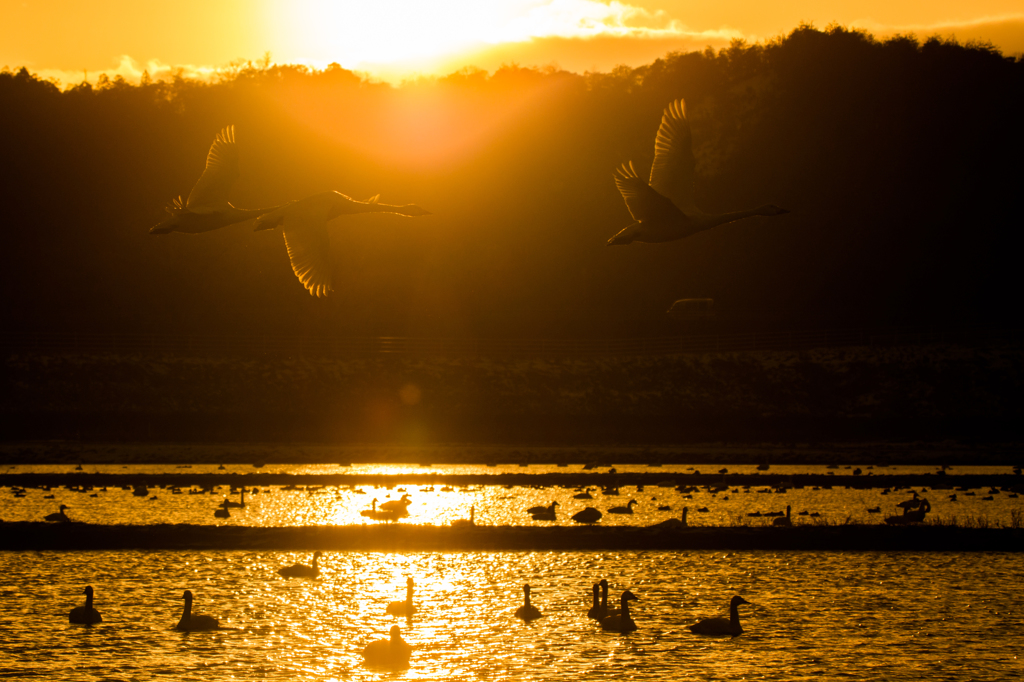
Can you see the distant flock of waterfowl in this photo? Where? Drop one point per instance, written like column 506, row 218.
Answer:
column 663, row 207
column 913, row 510
column 395, row 651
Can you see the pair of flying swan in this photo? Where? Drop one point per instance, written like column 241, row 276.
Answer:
column 663, row 208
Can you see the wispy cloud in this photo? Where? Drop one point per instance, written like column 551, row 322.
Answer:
column 1004, row 31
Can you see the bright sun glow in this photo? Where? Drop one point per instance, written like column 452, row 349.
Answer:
column 388, row 31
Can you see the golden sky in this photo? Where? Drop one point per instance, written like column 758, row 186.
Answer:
column 392, row 39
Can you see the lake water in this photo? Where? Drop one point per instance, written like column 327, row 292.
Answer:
column 500, row 505
column 864, row 616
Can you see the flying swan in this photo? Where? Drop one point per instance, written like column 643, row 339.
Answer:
column 304, row 224
column 664, row 209
column 207, row 207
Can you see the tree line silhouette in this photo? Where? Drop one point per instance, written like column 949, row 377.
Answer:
column 900, row 160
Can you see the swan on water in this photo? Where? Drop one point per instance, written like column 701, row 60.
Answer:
column 222, row 512
column 540, row 509
column 394, row 651
column 85, row 615
column 621, row 621
column 722, row 626
column 910, row 516
column 304, row 224
column 382, row 514
column 397, row 505
column 403, row 608
column 783, row 520
column 588, row 515
column 465, row 523
column 664, row 209
column 301, row 570
column 59, row 515
column 527, row 611
column 628, row 509
column 237, row 505
column 669, row 524
column 193, row 622
column 597, row 612
column 207, row 207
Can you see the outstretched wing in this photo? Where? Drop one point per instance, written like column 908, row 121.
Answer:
column 211, row 191
column 672, row 170
column 643, row 202
column 305, row 237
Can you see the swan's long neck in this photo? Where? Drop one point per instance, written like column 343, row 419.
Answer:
column 408, row 594
column 734, row 616
column 685, row 509
column 625, row 609
column 187, row 613
column 88, row 600
column 316, row 557
column 604, row 595
column 723, row 218
column 527, row 593
column 597, row 596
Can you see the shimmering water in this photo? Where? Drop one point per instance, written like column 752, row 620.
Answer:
column 500, row 505
column 871, row 616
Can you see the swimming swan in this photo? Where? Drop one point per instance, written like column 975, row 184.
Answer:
column 621, row 621
column 722, row 626
column 664, row 209
column 465, row 523
column 596, row 611
column 397, row 505
column 403, row 608
column 304, row 224
column 915, row 516
column 528, row 611
column 236, row 505
column 301, row 570
column 193, row 623
column 207, row 207
column 58, row 515
column 783, row 520
column 394, row 651
column 588, row 515
column 628, row 509
column 222, row 512
column 85, row 615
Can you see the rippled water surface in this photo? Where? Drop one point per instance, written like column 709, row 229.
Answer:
column 501, row 505
column 878, row 616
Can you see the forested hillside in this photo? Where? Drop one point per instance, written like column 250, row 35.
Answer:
column 899, row 160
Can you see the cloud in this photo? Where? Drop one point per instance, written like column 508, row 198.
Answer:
column 131, row 71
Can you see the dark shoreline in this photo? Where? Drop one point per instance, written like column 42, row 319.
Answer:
column 37, row 536
column 568, row 479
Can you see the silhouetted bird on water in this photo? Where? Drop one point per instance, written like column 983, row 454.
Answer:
column 58, row 515
column 192, row 622
column 722, row 626
column 207, row 207
column 403, row 608
column 388, row 652
column 304, row 224
column 664, row 209
column 527, row 611
column 784, row 520
column 85, row 615
column 621, row 621
column 302, row 570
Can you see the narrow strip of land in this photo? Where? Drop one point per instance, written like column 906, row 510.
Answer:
column 33, row 536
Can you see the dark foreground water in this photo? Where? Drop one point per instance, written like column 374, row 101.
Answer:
column 871, row 616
